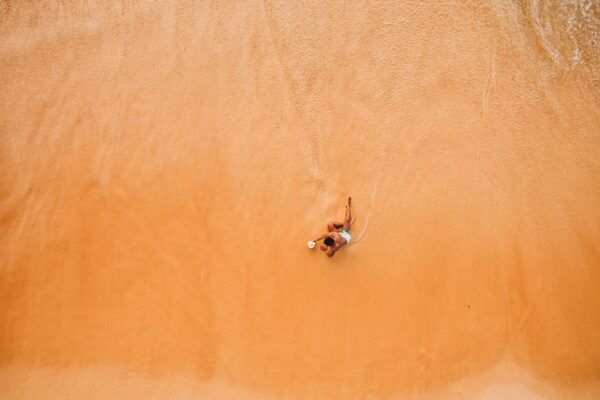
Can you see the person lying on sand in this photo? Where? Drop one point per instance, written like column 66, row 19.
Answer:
column 339, row 233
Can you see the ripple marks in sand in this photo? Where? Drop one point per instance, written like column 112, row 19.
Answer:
column 296, row 96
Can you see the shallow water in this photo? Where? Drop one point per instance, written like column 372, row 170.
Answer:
column 165, row 164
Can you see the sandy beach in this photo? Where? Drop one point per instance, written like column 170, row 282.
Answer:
column 165, row 162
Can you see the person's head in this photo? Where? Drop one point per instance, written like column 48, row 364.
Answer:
column 329, row 241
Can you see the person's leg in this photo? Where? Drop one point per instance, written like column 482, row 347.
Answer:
column 334, row 226
column 348, row 219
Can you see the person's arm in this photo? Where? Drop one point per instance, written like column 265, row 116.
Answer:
column 331, row 251
column 321, row 237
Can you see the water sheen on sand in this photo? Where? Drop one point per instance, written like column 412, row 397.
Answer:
column 165, row 162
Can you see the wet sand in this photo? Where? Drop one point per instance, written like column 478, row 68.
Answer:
column 164, row 164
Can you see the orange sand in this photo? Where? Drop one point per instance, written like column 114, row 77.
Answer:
column 164, row 163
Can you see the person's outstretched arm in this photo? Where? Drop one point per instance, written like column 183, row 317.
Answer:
column 321, row 237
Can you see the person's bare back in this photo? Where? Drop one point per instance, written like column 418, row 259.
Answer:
column 339, row 233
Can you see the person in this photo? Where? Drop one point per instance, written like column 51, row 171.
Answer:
column 338, row 235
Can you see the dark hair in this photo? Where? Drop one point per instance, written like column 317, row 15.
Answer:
column 329, row 241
